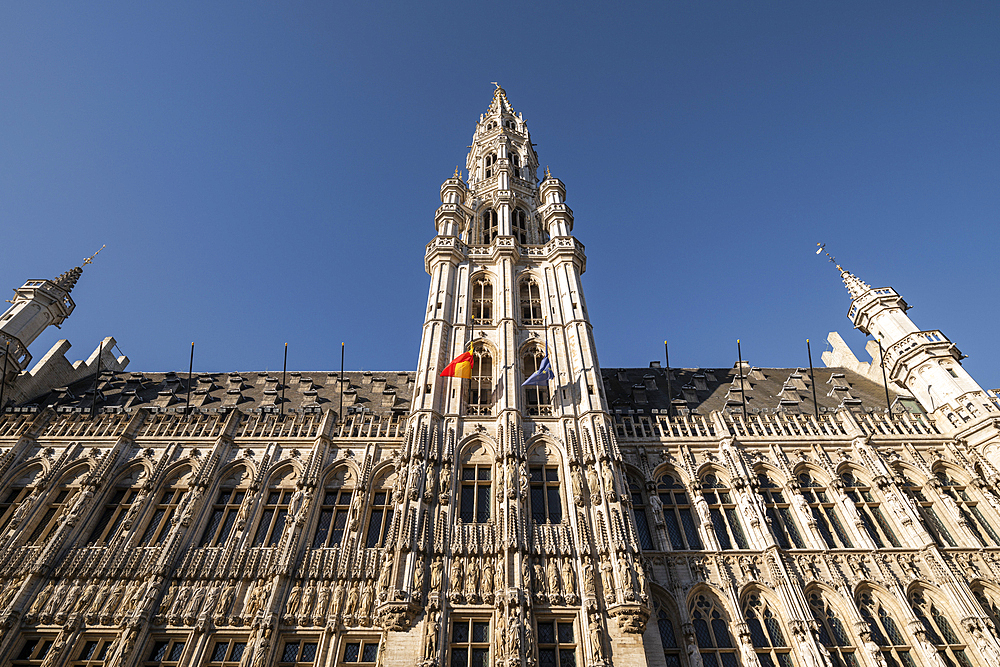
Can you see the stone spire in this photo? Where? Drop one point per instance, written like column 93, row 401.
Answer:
column 855, row 286
column 67, row 281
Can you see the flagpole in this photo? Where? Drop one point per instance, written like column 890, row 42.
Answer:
column 97, row 379
column 284, row 369
column 812, row 378
column 187, row 406
column 885, row 382
column 340, row 381
column 670, row 393
column 743, row 395
column 3, row 379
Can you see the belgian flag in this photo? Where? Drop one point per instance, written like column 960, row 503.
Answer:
column 460, row 366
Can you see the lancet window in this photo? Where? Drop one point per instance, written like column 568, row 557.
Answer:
column 223, row 517
column 158, row 526
column 17, row 494
column 668, row 637
column 987, row 599
column 281, row 495
column 519, row 225
column 482, row 301
column 531, row 302
column 930, row 517
column 380, row 514
column 63, row 497
column 765, row 633
column 334, row 512
column 938, row 630
column 488, row 165
column 536, row 396
column 968, row 509
column 722, row 509
column 885, row 631
column 515, row 163
column 546, row 504
column 824, row 511
column 489, row 226
column 481, row 383
column 639, row 515
column 870, row 511
column 712, row 633
column 116, row 508
column 677, row 514
column 779, row 514
column 832, row 632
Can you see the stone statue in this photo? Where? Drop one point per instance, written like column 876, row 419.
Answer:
column 594, row 484
column 307, row 599
column 292, row 605
column 539, row 579
column 553, row 576
column 386, row 576
column 432, row 632
column 322, row 602
column 596, row 639
column 568, row 577
column 471, row 581
column 367, row 593
column 42, row 598
column 338, row 599
column 418, row 576
column 352, row 603
column 577, row 479
column 437, row 569
column 656, row 505
column 589, row 585
column 609, row 482
column 456, row 575
column 445, row 477
column 701, row 507
column 488, row 578
column 167, row 600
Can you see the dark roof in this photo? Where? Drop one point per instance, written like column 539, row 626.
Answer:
column 704, row 390
column 382, row 392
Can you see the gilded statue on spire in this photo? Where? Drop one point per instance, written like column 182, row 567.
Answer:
column 90, row 260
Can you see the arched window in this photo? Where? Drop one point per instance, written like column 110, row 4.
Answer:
column 639, row 515
column 712, row 633
column 380, row 511
column 725, row 518
column 16, row 494
column 488, row 164
column 536, row 396
column 62, row 497
column 167, row 502
column 779, row 514
column 116, row 507
column 515, row 162
column 939, row 630
column 765, row 633
column 276, row 509
column 531, row 302
column 477, row 484
column 832, row 632
column 546, row 503
column 869, row 510
column 930, row 517
column 225, row 510
column 335, row 510
column 677, row 514
column 825, row 512
column 481, row 383
column 519, row 225
column 885, row 632
column 987, row 599
column 668, row 638
column 482, row 301
column 968, row 509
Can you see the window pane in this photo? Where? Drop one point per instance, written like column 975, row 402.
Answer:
column 480, row 632
column 565, row 633
column 177, row 651
column 374, row 528
column 219, row 652
column 262, row 528
column 459, row 657
column 238, row 648
column 460, row 633
column 159, row 650
column 480, row 657
column 483, row 506
column 308, row 652
column 291, row 652
column 555, row 508
column 351, row 652
column 370, row 653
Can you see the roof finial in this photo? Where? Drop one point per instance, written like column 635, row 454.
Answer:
column 547, row 174
column 833, row 260
column 457, row 175
column 90, row 260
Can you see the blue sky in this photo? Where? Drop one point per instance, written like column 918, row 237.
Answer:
column 268, row 172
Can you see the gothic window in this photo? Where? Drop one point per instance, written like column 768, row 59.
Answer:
column 515, row 161
column 930, row 517
column 33, row 651
column 825, row 512
column 476, row 486
column 470, row 643
column 274, row 517
column 536, row 396
column 116, row 507
column 227, row 652
column 488, row 165
column 870, row 512
column 885, row 632
column 531, row 302
column 481, row 383
column 725, row 518
column 482, row 301
column 223, row 517
column 779, row 514
column 939, row 630
column 556, row 643
column 165, row 651
column 159, row 524
column 16, row 494
column 380, row 515
column 968, row 508
column 519, row 224
column 297, row 651
column 546, row 506
column 987, row 600
column 677, row 514
column 668, row 638
column 359, row 652
column 62, row 499
column 91, row 651
column 334, row 512
column 833, row 633
column 490, row 226
column 639, row 515
column 712, row 633
column 765, row 633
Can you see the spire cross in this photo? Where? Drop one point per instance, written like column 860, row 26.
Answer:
column 90, row 260
column 833, row 260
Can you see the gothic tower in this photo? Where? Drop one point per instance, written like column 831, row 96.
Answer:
column 485, row 456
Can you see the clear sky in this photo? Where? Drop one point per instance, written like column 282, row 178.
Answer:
column 264, row 172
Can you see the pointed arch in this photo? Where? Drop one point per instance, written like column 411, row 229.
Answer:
column 913, row 487
column 866, row 499
column 823, row 508
column 712, row 623
column 481, row 384
column 667, row 624
column 833, row 628
column 958, row 486
column 722, row 510
column 529, row 291
column 61, row 496
column 677, row 511
column 545, row 475
column 883, row 628
column 24, row 482
column 538, row 400
column 118, row 500
column 476, row 475
column 519, row 221
column 380, row 506
column 988, row 597
column 281, row 499
column 337, row 500
column 778, row 509
column 168, row 498
column 768, row 633
column 940, row 630
column 230, row 494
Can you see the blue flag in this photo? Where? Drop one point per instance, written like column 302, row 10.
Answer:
column 542, row 376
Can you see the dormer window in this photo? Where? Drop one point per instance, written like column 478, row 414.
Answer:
column 519, row 223
column 489, row 162
column 515, row 161
column 489, row 231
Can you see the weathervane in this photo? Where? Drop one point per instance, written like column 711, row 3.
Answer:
column 833, row 260
column 90, row 260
